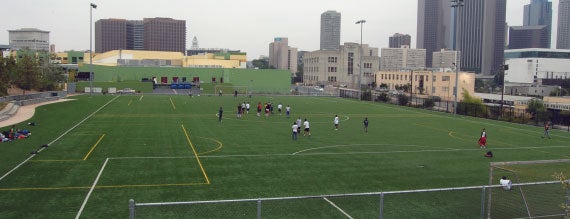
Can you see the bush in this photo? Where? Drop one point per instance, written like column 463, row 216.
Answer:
column 383, row 97
column 429, row 103
column 403, row 99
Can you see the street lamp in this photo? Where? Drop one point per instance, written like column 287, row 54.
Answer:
column 361, row 22
column 456, row 4
column 91, row 7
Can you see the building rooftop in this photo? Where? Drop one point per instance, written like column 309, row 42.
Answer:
column 28, row 30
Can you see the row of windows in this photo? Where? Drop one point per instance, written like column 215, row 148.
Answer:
column 443, row 89
column 331, row 79
column 416, row 78
column 311, row 77
column 331, row 69
column 333, row 59
column 312, row 60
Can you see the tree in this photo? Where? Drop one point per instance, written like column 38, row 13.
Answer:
column 537, row 109
column 28, row 73
column 566, row 186
column 50, row 77
column 4, row 77
column 261, row 63
column 403, row 99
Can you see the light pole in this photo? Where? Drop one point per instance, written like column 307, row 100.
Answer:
column 361, row 22
column 91, row 7
column 456, row 4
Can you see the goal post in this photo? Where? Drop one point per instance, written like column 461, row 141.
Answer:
column 231, row 89
column 525, row 201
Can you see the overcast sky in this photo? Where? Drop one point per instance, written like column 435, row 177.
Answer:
column 246, row 25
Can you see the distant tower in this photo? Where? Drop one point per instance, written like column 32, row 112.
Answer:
column 539, row 12
column 398, row 40
column 330, row 30
column 563, row 39
column 195, row 43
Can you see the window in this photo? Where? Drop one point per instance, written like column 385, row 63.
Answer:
column 434, row 78
column 445, row 78
column 444, row 89
column 350, row 63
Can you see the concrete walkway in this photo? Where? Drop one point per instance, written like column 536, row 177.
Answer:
column 26, row 112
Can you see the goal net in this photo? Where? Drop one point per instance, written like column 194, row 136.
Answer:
column 540, row 200
column 231, row 89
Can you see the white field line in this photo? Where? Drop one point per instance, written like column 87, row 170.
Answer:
column 65, row 133
column 140, row 99
column 338, row 208
column 91, row 190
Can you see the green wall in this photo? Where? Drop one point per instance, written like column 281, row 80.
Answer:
column 262, row 80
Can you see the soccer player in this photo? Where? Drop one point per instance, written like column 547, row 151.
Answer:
column 247, row 108
column 336, row 121
column 288, row 111
column 279, row 108
column 239, row 109
column 235, row 94
column 307, row 130
column 220, row 114
column 483, row 139
column 299, row 121
column 365, row 124
column 295, row 128
column 220, row 94
column 258, row 108
column 546, row 132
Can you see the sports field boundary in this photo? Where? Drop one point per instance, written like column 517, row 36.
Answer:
column 55, row 140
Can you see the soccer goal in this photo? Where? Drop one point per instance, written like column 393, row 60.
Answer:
column 231, row 89
column 540, row 200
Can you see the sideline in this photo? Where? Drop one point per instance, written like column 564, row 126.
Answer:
column 27, row 112
column 65, row 133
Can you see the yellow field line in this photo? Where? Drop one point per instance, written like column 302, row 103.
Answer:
column 93, row 148
column 196, row 154
column 101, row 187
column 131, row 101
column 220, row 145
column 173, row 107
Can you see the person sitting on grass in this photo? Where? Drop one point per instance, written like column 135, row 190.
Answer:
column 489, row 154
column 505, row 183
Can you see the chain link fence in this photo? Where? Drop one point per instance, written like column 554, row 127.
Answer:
column 524, row 200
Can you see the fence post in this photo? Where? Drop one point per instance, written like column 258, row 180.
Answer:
column 132, row 213
column 259, row 208
column 483, row 203
column 381, row 213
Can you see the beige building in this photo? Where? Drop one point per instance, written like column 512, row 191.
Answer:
column 160, row 58
column 282, row 56
column 395, row 59
column 446, row 59
column 331, row 67
column 430, row 83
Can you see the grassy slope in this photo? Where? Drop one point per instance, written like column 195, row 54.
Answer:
column 251, row 157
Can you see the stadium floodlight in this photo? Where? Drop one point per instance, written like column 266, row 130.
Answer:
column 91, row 7
column 361, row 22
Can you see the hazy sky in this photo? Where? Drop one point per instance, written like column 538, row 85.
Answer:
column 247, row 25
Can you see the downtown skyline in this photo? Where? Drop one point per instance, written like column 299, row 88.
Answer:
column 243, row 25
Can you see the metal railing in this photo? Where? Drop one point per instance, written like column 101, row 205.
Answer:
column 523, row 200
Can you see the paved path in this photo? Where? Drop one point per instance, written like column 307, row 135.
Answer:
column 25, row 113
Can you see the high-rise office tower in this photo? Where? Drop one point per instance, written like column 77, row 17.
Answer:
column 135, row 35
column 539, row 12
column 398, row 40
column 481, row 32
column 563, row 36
column 164, row 34
column 521, row 37
column 434, row 27
column 482, row 35
column 330, row 30
column 110, row 34
column 282, row 56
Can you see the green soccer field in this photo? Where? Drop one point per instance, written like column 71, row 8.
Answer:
column 105, row 150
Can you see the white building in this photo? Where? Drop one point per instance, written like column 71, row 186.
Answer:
column 29, row 39
column 282, row 56
column 342, row 67
column 394, row 59
column 446, row 59
column 528, row 66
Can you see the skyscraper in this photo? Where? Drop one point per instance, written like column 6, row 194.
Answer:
column 330, row 30
column 539, row 12
column 563, row 36
column 398, row 40
column 481, row 32
column 282, row 56
column 110, row 34
column 164, row 34
column 434, row 27
column 482, row 35
column 521, row 37
column 135, row 35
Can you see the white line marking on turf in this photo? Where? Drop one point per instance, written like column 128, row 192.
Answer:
column 140, row 99
column 338, row 208
column 65, row 133
column 91, row 190
column 351, row 145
